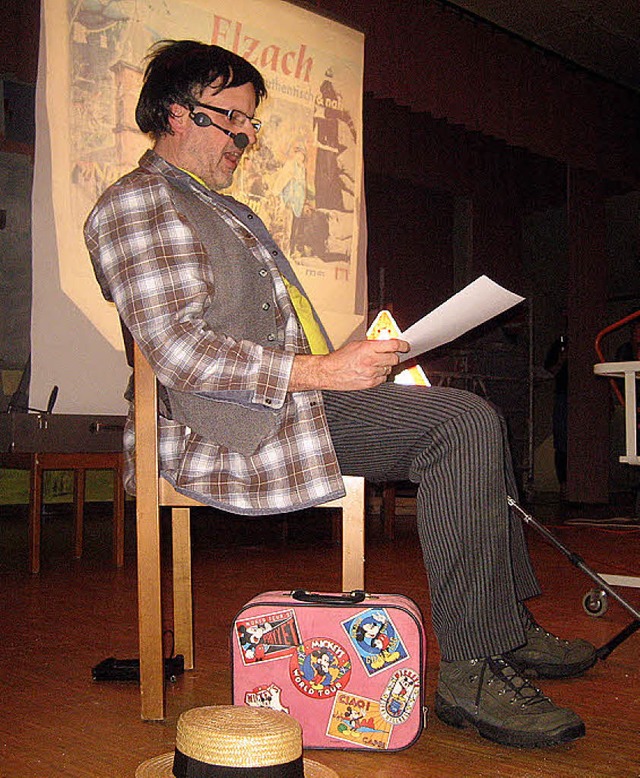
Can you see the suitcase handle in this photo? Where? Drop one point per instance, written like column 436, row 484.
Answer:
column 347, row 598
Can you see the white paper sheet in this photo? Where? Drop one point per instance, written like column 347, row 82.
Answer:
column 478, row 302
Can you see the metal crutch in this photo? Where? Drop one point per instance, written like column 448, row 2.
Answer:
column 604, row 651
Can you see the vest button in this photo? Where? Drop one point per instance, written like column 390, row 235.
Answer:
column 266, row 306
column 263, row 272
column 271, row 337
column 275, row 252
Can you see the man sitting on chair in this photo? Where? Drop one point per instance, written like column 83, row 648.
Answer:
column 262, row 416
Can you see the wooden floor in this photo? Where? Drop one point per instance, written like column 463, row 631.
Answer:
column 55, row 721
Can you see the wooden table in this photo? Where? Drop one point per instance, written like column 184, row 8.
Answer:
column 38, row 462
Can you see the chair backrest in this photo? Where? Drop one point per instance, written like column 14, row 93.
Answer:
column 152, row 491
column 146, row 424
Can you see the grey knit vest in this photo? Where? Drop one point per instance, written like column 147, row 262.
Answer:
column 242, row 308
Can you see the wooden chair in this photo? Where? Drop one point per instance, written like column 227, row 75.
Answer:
column 154, row 492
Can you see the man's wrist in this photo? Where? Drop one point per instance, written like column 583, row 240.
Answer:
column 306, row 373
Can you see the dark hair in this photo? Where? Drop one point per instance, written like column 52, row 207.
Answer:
column 179, row 71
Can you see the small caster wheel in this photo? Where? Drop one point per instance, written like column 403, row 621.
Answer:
column 595, row 602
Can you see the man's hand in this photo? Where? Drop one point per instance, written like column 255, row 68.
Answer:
column 361, row 364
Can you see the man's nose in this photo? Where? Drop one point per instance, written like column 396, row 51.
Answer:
column 251, row 133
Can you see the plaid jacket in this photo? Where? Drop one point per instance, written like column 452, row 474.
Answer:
column 161, row 269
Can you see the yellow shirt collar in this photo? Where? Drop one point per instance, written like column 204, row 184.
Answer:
column 194, row 176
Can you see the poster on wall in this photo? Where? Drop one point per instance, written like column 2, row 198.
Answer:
column 304, row 177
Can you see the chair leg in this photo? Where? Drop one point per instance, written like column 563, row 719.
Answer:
column 118, row 517
column 353, row 535
column 389, row 510
column 150, row 609
column 182, row 598
column 35, row 514
column 336, row 529
column 79, row 482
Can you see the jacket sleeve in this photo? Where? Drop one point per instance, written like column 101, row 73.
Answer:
column 149, row 262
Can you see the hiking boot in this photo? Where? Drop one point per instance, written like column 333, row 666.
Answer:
column 546, row 656
column 502, row 705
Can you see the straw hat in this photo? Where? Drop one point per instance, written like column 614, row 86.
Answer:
column 211, row 740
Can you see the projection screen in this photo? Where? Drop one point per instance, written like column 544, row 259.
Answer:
column 304, row 178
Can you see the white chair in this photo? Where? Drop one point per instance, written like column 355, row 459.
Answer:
column 629, row 372
column 154, row 492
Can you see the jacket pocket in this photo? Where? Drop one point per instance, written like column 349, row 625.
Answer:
column 234, row 425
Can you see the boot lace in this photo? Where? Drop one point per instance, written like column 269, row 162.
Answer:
column 522, row 691
column 531, row 626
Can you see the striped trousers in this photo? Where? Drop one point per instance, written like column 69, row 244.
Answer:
column 453, row 444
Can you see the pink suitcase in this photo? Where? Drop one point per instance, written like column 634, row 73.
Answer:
column 349, row 667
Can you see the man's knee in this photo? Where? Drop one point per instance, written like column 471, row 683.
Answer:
column 483, row 412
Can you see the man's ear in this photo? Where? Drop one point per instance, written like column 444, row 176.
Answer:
column 178, row 117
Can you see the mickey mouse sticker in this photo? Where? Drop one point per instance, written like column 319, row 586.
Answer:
column 376, row 640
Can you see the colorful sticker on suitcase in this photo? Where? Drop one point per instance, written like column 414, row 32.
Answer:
column 358, row 720
column 265, row 696
column 270, row 636
column 375, row 640
column 320, row 668
column 400, row 696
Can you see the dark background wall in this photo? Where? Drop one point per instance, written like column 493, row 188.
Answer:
column 482, row 155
